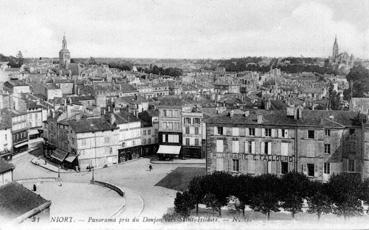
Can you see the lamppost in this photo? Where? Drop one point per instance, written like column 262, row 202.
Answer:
column 59, row 171
column 93, row 174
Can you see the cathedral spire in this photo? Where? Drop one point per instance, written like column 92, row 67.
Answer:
column 335, row 48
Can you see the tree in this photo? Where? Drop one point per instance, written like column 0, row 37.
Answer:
column 334, row 98
column 183, row 203
column 92, row 61
column 266, row 200
column 345, row 191
column 359, row 76
column 244, row 190
column 210, row 200
column 219, row 184
column 195, row 188
column 19, row 58
column 318, row 200
column 294, row 189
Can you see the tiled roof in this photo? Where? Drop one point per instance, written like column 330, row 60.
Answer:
column 125, row 117
column 279, row 117
column 15, row 200
column 5, row 166
column 85, row 125
column 173, row 101
column 131, row 99
column 13, row 83
column 81, row 98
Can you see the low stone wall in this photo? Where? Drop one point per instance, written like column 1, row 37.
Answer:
column 111, row 186
column 40, row 179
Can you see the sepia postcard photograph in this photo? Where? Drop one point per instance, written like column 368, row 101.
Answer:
column 184, row 114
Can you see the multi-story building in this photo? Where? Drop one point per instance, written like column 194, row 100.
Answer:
column 15, row 88
column 93, row 142
column 170, row 127
column 6, row 142
column 192, row 130
column 129, row 138
column 149, row 132
column 153, row 90
column 6, row 172
column 316, row 143
column 20, row 127
column 36, row 115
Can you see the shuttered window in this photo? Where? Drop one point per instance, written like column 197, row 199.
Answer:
column 219, row 166
column 235, row 147
column 220, row 147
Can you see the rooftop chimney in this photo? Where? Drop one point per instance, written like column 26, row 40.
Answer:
column 260, row 118
column 112, row 118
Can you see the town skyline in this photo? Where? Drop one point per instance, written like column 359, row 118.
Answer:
column 214, row 30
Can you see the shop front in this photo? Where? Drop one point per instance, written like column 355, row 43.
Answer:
column 127, row 154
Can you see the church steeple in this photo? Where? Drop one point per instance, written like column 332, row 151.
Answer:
column 64, row 55
column 335, row 48
column 64, row 42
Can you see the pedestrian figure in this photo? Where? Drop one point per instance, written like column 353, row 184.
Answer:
column 34, row 188
column 150, row 167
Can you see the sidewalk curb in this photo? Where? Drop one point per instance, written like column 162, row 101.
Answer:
column 115, row 188
column 86, row 171
column 173, row 163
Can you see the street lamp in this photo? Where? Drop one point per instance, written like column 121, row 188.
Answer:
column 59, row 171
column 93, row 174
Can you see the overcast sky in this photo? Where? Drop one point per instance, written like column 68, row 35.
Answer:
column 184, row 28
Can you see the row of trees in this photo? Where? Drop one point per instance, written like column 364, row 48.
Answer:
column 288, row 65
column 173, row 72
column 342, row 195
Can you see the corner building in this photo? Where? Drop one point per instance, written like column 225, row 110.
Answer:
column 316, row 143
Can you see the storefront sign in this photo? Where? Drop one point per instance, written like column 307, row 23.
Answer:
column 257, row 157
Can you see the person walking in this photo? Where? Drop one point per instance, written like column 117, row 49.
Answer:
column 150, row 167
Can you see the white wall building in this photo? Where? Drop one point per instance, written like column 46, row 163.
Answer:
column 94, row 141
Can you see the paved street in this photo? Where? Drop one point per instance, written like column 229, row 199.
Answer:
column 64, row 199
column 142, row 197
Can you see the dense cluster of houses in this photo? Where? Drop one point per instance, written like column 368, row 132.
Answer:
column 91, row 115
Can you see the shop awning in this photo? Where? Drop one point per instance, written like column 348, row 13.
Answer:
column 59, row 155
column 21, row 144
column 169, row 149
column 70, row 158
column 33, row 132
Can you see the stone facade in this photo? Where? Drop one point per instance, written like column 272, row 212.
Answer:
column 319, row 148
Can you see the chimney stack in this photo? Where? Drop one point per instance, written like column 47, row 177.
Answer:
column 112, row 118
column 260, row 118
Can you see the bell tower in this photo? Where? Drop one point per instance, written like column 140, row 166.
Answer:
column 64, row 55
